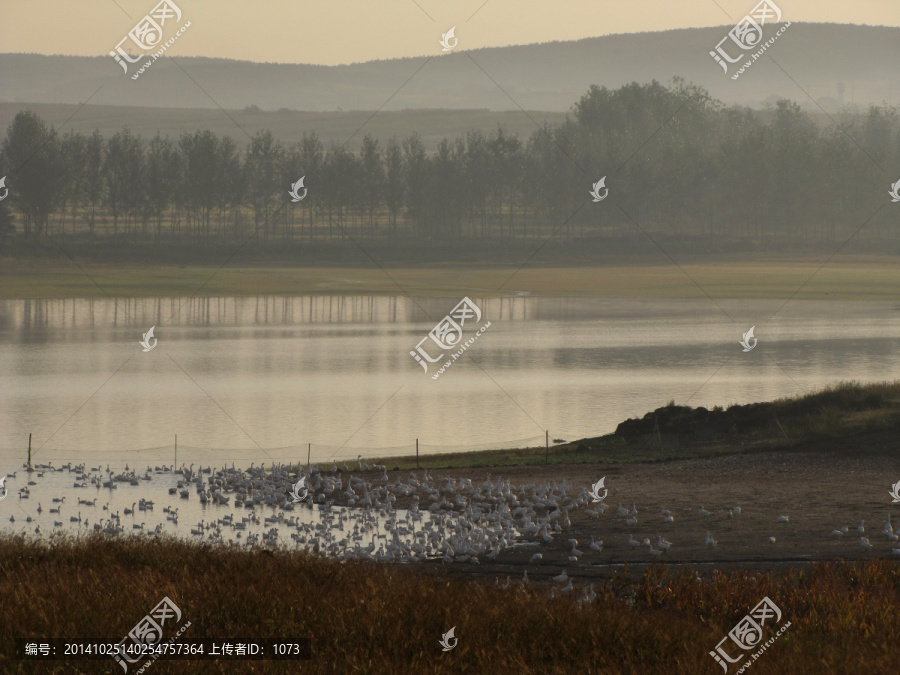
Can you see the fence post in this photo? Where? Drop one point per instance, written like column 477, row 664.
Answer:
column 417, row 454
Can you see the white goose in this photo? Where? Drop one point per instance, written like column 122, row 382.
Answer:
column 561, row 578
column 596, row 545
column 632, row 542
column 589, row 595
column 783, row 519
column 710, row 542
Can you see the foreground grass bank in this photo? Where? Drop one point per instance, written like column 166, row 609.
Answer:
column 858, row 278
column 389, row 619
column 841, row 416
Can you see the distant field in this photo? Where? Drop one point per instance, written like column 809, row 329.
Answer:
column 287, row 125
column 874, row 278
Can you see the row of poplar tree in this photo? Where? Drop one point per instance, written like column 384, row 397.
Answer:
column 676, row 162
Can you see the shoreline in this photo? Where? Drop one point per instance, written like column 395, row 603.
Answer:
column 856, row 278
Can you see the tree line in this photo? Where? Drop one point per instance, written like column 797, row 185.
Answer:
column 676, row 161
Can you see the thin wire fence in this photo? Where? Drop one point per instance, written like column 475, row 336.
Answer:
column 316, row 453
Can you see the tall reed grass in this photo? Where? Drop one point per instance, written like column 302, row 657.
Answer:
column 368, row 618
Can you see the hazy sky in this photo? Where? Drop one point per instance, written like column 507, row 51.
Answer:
column 347, row 31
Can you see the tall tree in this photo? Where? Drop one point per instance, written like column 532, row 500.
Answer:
column 123, row 168
column 394, row 184
column 93, row 177
column 36, row 170
column 372, row 187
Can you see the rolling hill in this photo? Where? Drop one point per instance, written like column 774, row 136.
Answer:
column 834, row 62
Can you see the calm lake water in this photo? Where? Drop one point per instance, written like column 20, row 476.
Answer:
column 250, row 379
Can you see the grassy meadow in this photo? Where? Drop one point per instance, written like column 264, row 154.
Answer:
column 847, row 278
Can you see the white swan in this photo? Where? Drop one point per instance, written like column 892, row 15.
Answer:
column 561, row 578
column 537, row 557
column 589, row 595
column 596, row 545
column 783, row 519
column 709, row 539
column 632, row 542
column 864, row 542
column 704, row 512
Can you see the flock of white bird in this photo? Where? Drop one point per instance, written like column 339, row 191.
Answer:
column 446, row 519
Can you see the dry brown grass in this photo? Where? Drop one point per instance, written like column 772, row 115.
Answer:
column 378, row 618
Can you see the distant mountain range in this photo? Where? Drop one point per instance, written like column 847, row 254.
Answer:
column 833, row 62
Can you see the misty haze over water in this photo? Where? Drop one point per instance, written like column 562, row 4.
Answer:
column 293, row 370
